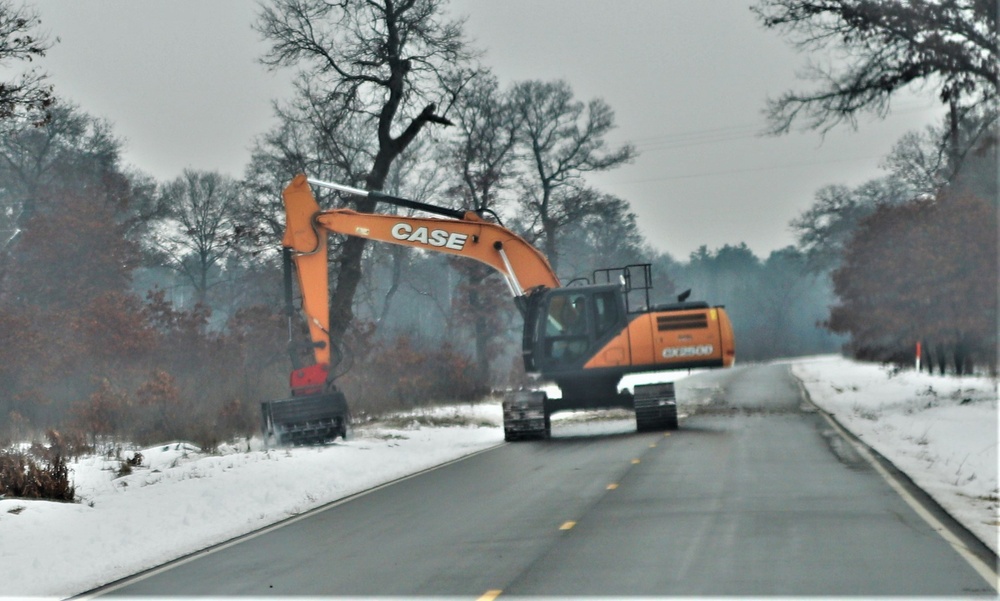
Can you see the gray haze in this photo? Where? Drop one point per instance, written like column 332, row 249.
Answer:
column 688, row 80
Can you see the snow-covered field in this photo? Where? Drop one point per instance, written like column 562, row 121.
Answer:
column 941, row 431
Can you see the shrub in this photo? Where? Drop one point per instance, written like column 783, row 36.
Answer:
column 405, row 372
column 40, row 473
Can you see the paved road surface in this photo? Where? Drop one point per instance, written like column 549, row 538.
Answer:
column 754, row 495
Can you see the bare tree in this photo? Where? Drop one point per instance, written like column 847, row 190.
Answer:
column 382, row 61
column 312, row 136
column 43, row 168
column 878, row 48
column 825, row 228
column 562, row 139
column 482, row 153
column 608, row 237
column 483, row 159
column 200, row 230
column 918, row 159
column 70, row 146
column 27, row 96
column 410, row 177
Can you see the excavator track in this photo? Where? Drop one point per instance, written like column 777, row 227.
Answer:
column 525, row 415
column 655, row 407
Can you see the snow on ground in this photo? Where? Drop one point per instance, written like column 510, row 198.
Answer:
column 181, row 500
column 940, row 431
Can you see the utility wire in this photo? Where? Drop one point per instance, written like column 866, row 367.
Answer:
column 751, row 170
column 698, row 137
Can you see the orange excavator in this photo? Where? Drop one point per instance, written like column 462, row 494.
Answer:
column 584, row 338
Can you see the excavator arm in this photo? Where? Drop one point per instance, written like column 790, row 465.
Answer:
column 464, row 234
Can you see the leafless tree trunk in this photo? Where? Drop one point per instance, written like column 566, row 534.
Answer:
column 203, row 206
column 379, row 60
column 483, row 157
column 562, row 139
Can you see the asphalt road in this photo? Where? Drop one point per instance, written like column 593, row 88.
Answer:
column 754, row 495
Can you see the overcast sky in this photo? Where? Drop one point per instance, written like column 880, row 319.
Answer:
column 688, row 79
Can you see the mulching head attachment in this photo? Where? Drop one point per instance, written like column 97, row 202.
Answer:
column 308, row 419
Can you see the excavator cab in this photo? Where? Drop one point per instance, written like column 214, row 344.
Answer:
column 573, row 323
column 586, row 338
column 568, row 330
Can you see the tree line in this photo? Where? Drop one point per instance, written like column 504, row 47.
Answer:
column 136, row 308
column 913, row 255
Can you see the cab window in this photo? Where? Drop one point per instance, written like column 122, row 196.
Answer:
column 606, row 312
column 567, row 315
column 566, row 330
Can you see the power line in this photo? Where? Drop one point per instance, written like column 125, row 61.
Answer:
column 751, row 170
column 674, row 145
column 695, row 133
column 698, row 137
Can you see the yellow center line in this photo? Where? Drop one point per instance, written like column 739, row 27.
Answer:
column 652, row 445
column 635, row 461
column 567, row 525
column 612, row 486
column 490, row 595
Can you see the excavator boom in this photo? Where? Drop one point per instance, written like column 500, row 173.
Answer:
column 466, row 234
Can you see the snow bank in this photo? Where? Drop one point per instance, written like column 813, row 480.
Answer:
column 940, row 431
column 181, row 500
